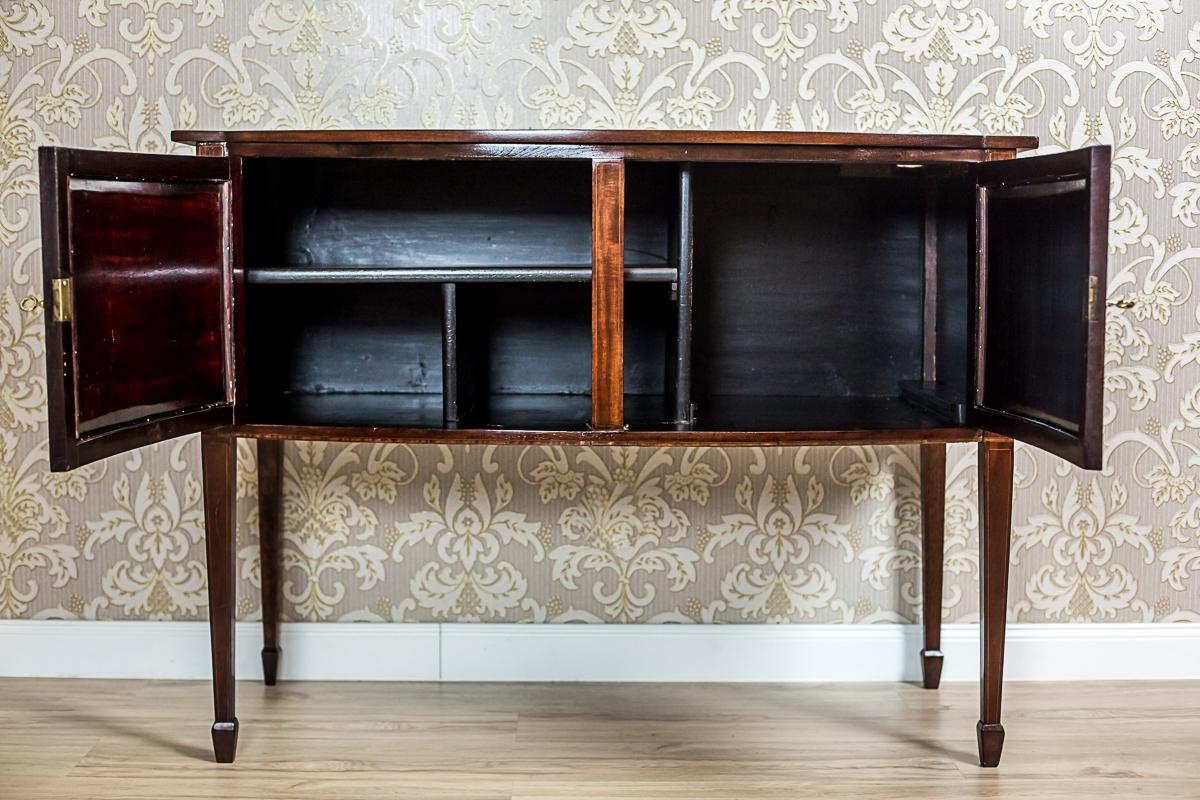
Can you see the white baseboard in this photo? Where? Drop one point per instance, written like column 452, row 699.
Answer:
column 180, row 650
column 501, row 652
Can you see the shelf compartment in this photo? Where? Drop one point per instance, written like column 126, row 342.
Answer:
column 417, row 214
column 328, row 341
column 501, row 214
column 637, row 273
column 522, row 356
column 797, row 304
column 424, row 355
column 658, row 316
column 808, row 281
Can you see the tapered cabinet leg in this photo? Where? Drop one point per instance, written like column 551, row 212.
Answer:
column 270, row 509
column 219, row 456
column 995, row 519
column 933, row 523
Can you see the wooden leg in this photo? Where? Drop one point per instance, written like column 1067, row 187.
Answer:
column 270, row 509
column 933, row 523
column 995, row 519
column 219, row 455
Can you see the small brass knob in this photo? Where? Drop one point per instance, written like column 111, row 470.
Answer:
column 31, row 304
column 1124, row 302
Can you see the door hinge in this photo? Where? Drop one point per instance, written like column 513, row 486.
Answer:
column 60, row 288
column 1093, row 284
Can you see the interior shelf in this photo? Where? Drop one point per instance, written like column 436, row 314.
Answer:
column 353, row 409
column 534, row 412
column 573, row 412
column 809, row 413
column 466, row 273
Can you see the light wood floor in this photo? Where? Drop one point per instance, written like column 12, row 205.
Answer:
column 137, row 739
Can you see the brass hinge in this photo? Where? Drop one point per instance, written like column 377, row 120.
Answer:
column 60, row 288
column 1093, row 284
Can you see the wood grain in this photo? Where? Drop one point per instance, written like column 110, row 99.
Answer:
column 933, row 528
column 454, row 151
column 1041, row 236
column 502, row 214
column 602, row 137
column 144, row 357
column 270, row 556
column 219, row 459
column 995, row 534
column 608, row 295
column 141, row 740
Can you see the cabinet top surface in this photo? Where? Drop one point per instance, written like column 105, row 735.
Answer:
column 612, row 137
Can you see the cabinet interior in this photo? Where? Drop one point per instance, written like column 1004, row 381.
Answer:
column 457, row 294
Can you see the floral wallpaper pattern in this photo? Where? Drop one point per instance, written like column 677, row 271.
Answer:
column 397, row 533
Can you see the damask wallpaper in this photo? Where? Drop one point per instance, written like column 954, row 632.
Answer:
column 393, row 533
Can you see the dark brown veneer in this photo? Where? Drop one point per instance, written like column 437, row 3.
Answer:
column 580, row 287
column 144, row 355
column 1042, row 239
column 614, row 137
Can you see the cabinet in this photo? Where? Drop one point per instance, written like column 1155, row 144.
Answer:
column 615, row 287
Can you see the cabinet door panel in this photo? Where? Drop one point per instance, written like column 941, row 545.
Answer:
column 1042, row 244
column 136, row 263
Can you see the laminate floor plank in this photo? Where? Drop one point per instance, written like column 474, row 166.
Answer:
column 148, row 740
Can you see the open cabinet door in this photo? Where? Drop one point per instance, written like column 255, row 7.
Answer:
column 1042, row 248
column 136, row 259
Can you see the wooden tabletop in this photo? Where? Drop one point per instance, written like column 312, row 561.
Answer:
column 614, row 137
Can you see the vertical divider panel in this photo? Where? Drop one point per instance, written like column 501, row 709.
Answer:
column 608, row 294
column 683, row 332
column 450, row 400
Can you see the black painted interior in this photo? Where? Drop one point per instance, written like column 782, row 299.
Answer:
column 1038, row 262
column 808, row 290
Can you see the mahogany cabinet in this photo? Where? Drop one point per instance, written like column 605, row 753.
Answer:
column 614, row 287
